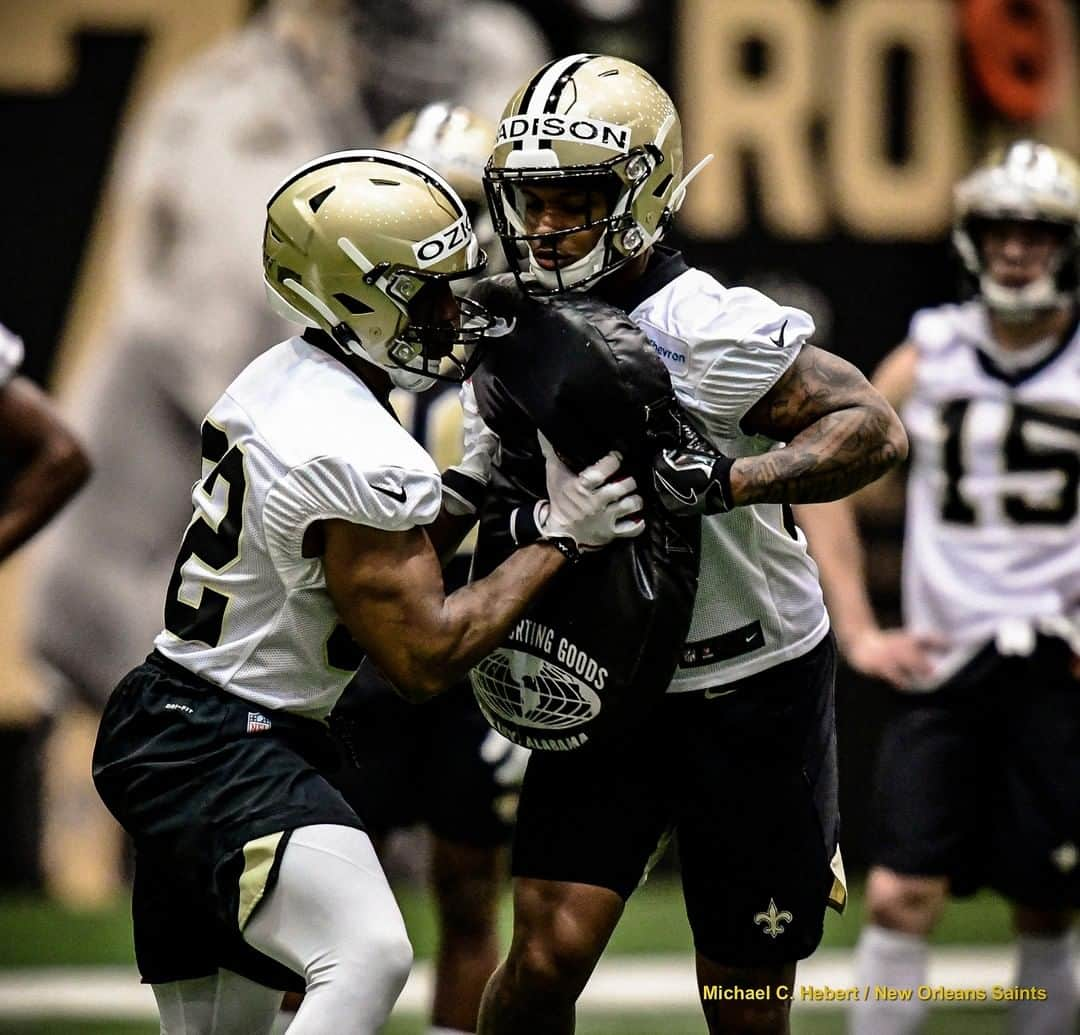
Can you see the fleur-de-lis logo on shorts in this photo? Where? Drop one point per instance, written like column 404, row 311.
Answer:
column 773, row 919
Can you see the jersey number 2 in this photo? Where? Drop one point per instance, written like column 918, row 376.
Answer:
column 217, row 548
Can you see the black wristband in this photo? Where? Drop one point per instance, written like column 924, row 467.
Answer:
column 525, row 525
column 722, row 474
column 525, row 530
column 566, row 546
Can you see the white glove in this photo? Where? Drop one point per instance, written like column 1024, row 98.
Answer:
column 585, row 508
column 465, row 483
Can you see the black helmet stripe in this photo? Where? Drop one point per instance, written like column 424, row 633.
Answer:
column 545, row 89
column 552, row 102
column 526, row 95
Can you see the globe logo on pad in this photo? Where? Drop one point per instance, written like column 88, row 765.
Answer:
column 530, row 691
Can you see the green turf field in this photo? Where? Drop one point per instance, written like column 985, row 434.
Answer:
column 36, row 933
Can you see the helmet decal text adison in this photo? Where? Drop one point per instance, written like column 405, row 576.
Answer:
column 535, row 129
column 604, row 126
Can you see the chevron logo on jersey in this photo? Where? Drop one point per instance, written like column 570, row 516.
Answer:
column 257, row 722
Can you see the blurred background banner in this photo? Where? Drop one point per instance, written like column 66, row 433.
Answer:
column 838, row 126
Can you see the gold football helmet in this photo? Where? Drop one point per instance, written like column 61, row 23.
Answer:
column 593, row 123
column 1027, row 182
column 364, row 245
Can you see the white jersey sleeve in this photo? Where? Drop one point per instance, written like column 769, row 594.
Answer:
column 724, row 347
column 11, row 354
column 758, row 602
column 749, row 350
column 389, row 498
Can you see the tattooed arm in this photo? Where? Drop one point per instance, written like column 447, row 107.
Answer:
column 840, row 434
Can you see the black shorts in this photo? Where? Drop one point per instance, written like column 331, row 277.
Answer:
column 744, row 774
column 209, row 786
column 979, row 781
column 421, row 763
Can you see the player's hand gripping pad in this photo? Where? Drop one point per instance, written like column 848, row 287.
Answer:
column 599, row 647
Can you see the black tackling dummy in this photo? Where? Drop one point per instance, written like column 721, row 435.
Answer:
column 600, row 646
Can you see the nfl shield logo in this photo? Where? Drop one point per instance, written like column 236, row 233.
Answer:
column 257, row 722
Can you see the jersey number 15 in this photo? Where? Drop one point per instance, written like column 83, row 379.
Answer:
column 1026, row 424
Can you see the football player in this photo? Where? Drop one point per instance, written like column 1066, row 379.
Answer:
column 441, row 765
column 299, row 79
column 978, row 771
column 45, row 463
column 186, row 316
column 584, row 181
column 314, row 542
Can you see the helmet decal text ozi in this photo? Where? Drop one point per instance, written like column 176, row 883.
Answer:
column 443, row 244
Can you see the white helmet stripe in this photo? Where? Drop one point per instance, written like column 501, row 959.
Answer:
column 678, row 195
column 355, row 254
column 424, row 136
column 538, row 100
column 312, row 300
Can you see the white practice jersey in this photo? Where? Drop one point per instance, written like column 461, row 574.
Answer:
column 295, row 439
column 11, row 354
column 758, row 602
column 993, row 525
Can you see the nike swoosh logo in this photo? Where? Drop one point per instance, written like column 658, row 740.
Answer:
column 682, row 497
column 778, row 341
column 710, row 694
column 395, row 494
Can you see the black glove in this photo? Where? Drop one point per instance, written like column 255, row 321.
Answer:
column 692, row 477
